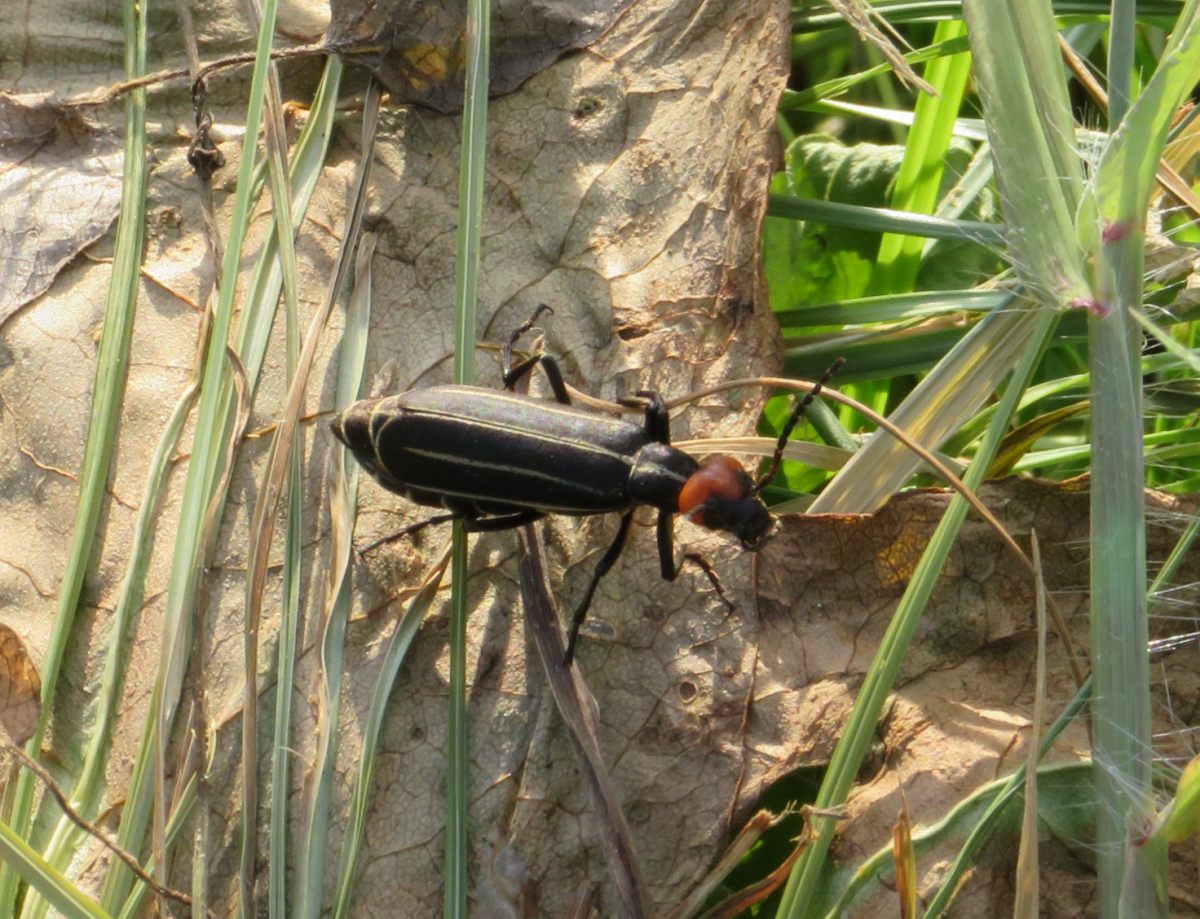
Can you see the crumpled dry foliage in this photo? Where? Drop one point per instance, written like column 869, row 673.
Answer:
column 20, row 688
column 626, row 185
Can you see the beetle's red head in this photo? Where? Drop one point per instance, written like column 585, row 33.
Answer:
column 721, row 496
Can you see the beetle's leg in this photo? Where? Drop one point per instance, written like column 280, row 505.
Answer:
column 610, row 557
column 711, row 575
column 407, row 531
column 513, row 374
column 666, row 557
column 506, row 348
column 658, row 420
column 549, row 367
column 503, row 522
column 470, row 524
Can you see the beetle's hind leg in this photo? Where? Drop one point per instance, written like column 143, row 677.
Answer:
column 407, row 531
column 512, row 374
column 503, row 522
column 470, row 524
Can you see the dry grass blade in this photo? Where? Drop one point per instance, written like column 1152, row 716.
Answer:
column 263, row 526
column 738, row 849
column 905, row 859
column 577, row 708
column 863, row 19
column 747, row 897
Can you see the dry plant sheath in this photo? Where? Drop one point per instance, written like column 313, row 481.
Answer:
column 498, row 460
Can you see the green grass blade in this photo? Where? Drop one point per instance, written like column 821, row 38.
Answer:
column 85, row 795
column 342, row 504
column 1019, row 74
column 1121, row 716
column 993, row 798
column 466, row 280
column 397, row 649
column 800, row 895
column 918, row 183
column 180, row 819
column 280, row 759
column 210, row 448
column 107, row 393
column 26, row 863
column 883, row 220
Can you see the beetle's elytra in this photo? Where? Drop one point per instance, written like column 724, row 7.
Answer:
column 497, row 460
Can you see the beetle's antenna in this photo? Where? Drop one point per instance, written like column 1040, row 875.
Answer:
column 793, row 420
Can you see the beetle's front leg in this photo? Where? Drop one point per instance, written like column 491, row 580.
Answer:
column 666, row 556
column 658, row 420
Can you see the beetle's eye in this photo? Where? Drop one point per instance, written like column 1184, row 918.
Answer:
column 755, row 523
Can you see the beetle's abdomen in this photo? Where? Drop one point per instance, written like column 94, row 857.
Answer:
column 482, row 451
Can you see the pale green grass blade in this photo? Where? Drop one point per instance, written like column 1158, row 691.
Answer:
column 1020, row 80
column 893, row 308
column 800, row 895
column 272, row 480
column 27, row 864
column 181, row 816
column 205, row 470
column 250, row 343
column 946, row 398
column 1121, row 63
column 466, row 288
column 107, row 393
column 965, row 128
column 342, row 504
column 86, row 794
column 281, row 198
column 397, row 649
column 1170, row 344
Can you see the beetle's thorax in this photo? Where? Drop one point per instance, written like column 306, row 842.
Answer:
column 659, row 473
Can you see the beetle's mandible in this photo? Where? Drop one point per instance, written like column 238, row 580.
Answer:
column 497, row 460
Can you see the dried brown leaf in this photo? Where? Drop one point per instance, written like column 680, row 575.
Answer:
column 20, row 688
